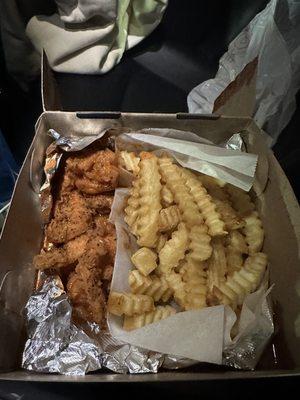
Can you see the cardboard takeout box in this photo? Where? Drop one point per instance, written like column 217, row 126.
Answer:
column 22, row 235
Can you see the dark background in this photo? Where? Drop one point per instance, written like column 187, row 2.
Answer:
column 155, row 76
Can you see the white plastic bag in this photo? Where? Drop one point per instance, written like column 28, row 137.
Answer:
column 274, row 36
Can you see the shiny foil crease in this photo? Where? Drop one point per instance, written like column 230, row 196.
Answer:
column 246, row 351
column 53, row 157
column 56, row 344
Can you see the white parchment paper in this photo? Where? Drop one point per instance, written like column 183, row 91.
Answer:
column 200, row 335
column 232, row 166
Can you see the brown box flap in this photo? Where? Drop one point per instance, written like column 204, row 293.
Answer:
column 238, row 99
column 50, row 92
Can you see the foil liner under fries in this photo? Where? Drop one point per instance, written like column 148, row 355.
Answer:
column 56, row 344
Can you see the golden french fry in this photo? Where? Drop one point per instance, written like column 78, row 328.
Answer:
column 177, row 285
column 138, row 282
column 149, row 200
column 253, row 232
column 217, row 265
column 129, row 304
column 244, row 281
column 167, row 198
column 132, row 208
column 174, row 249
column 216, row 190
column 156, row 287
column 236, row 247
column 169, row 218
column 221, row 198
column 138, row 321
column 194, row 277
column 230, row 217
column 144, row 260
column 188, row 208
column 256, row 263
column 237, row 240
column 200, row 246
column 240, row 199
column 161, row 242
column 195, row 296
column 189, row 285
column 209, row 182
column 234, row 260
column 216, row 227
column 129, row 161
column 190, row 270
column 159, row 289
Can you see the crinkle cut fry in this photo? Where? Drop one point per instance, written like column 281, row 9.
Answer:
column 189, row 285
column 144, row 260
column 221, row 198
column 132, row 208
column 211, row 183
column 188, row 208
column 129, row 161
column 169, row 218
column 174, row 249
column 200, row 243
column 237, row 240
column 234, row 259
column 217, row 265
column 230, row 217
column 253, row 232
column 129, row 304
column 150, row 206
column 243, row 282
column 166, row 196
column 177, row 285
column 162, row 239
column 236, row 247
column 240, row 199
column 216, row 226
column 195, row 280
column 154, row 286
column 138, row 321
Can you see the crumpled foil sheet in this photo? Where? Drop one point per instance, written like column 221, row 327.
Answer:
column 246, row 351
column 55, row 344
column 53, row 157
column 235, row 142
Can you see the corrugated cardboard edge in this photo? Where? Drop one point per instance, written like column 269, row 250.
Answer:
column 50, row 93
column 238, row 99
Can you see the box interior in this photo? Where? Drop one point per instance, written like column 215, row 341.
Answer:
column 22, row 236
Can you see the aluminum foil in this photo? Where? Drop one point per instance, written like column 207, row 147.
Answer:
column 56, row 344
column 235, row 142
column 74, row 143
column 53, row 157
column 244, row 353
